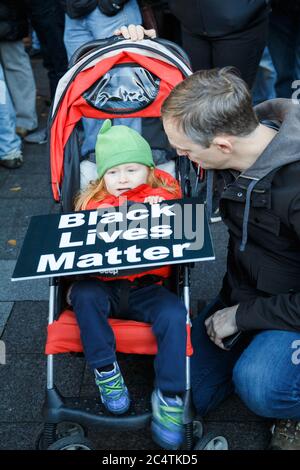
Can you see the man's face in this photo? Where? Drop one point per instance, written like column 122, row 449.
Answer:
column 208, row 158
column 122, row 178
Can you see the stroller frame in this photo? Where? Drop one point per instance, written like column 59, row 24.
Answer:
column 78, row 413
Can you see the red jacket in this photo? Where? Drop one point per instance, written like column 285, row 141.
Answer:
column 138, row 195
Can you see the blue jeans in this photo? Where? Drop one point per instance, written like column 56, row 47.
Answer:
column 263, row 369
column 93, row 301
column 96, row 25
column 10, row 142
column 284, row 46
column 263, row 88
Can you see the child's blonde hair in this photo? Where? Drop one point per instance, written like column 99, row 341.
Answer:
column 97, row 191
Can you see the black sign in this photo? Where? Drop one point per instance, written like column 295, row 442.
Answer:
column 131, row 237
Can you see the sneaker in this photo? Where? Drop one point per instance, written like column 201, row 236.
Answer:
column 22, row 131
column 215, row 216
column 36, row 137
column 13, row 160
column 167, row 426
column 113, row 392
column 285, row 435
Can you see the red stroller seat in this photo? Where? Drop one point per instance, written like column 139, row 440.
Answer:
column 131, row 337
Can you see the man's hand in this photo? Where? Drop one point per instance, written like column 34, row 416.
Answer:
column 135, row 32
column 221, row 324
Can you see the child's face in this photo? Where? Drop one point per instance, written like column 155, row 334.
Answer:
column 121, row 178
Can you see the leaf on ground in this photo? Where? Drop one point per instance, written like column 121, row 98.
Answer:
column 12, row 242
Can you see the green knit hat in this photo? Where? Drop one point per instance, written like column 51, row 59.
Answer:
column 117, row 145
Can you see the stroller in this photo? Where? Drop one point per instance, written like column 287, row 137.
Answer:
column 107, row 79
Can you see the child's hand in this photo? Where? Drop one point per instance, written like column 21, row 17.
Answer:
column 135, row 32
column 153, row 199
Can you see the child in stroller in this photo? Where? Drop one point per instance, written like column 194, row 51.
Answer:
column 126, row 170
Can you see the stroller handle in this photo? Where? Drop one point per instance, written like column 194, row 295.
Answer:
column 89, row 46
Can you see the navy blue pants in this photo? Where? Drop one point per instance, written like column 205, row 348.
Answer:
column 263, row 369
column 94, row 301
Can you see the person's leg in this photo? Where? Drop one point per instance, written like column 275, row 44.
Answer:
column 47, row 18
column 211, row 367
column 263, row 88
column 20, row 81
column 198, row 49
column 242, row 50
column 282, row 45
column 267, row 375
column 76, row 34
column 10, row 142
column 101, row 26
column 91, row 302
column 167, row 315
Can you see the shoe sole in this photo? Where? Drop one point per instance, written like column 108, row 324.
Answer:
column 163, row 444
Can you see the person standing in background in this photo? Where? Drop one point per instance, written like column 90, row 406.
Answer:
column 10, row 142
column 16, row 64
column 284, row 44
column 230, row 32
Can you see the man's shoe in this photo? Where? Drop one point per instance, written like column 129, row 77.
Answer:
column 113, row 392
column 22, row 131
column 36, row 137
column 167, row 425
column 286, row 435
column 215, row 216
column 12, row 161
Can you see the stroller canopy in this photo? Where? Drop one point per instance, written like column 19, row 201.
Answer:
column 96, row 87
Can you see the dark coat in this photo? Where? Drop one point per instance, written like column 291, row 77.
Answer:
column 217, row 18
column 13, row 20
column 265, row 278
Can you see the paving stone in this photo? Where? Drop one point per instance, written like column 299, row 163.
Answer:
column 242, row 436
column 18, row 436
column 32, row 186
column 5, row 309
column 34, row 289
column 23, row 383
column 15, row 216
column 31, row 319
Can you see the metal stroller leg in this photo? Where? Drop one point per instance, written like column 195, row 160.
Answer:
column 194, row 437
column 189, row 413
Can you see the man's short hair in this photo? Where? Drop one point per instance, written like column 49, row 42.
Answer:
column 210, row 103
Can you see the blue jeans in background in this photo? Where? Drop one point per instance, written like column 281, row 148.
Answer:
column 284, row 46
column 96, row 25
column 10, row 142
column 263, row 88
column 263, row 369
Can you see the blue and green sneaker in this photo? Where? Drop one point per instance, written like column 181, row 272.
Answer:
column 167, row 423
column 113, row 392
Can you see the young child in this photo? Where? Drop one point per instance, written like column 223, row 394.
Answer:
column 126, row 169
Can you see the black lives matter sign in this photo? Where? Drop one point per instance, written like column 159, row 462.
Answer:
column 109, row 240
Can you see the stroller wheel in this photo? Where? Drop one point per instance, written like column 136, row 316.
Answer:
column 75, row 442
column 211, row 442
column 61, row 430
column 66, row 429
column 198, row 429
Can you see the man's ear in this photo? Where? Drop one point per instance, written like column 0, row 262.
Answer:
column 224, row 143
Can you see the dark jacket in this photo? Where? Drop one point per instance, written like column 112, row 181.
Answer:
column 289, row 8
column 264, row 279
column 215, row 18
column 13, row 20
column 81, row 8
